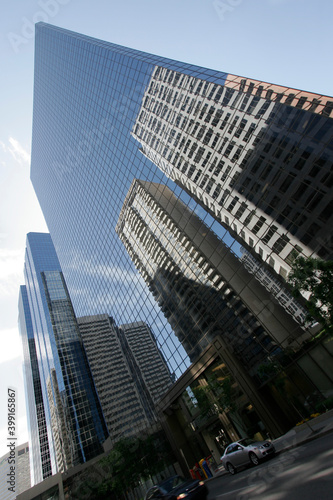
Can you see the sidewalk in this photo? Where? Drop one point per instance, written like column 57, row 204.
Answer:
column 298, row 435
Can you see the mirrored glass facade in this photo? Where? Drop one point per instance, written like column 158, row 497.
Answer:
column 241, row 163
column 40, row 462
column 75, row 427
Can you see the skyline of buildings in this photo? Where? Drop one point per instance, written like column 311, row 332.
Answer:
column 82, row 375
column 67, row 417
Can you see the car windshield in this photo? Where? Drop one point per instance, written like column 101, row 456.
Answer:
column 246, row 441
column 171, row 483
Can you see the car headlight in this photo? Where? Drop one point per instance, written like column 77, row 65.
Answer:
column 182, row 495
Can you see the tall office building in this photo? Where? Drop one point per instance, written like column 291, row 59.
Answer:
column 129, row 372
column 90, row 128
column 138, row 340
column 257, row 156
column 40, row 462
column 75, row 425
column 201, row 287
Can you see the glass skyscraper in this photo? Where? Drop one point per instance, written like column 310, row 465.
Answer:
column 252, row 160
column 40, row 462
column 64, row 392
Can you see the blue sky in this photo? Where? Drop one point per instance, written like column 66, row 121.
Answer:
column 286, row 42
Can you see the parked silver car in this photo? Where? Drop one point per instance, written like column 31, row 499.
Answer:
column 246, row 452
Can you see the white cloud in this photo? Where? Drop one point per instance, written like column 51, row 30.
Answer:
column 11, row 345
column 17, row 151
column 11, row 267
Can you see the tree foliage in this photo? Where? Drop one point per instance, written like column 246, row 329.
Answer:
column 315, row 277
column 216, row 396
column 132, row 460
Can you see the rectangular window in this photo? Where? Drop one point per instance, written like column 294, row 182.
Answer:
column 217, row 117
column 271, row 231
column 240, row 128
column 203, row 111
column 225, row 121
column 208, row 136
column 233, row 124
column 193, row 148
column 229, row 149
column 258, row 225
column 219, row 167
column 204, row 163
column 209, row 114
column 280, row 244
column 199, row 154
column 232, row 204
column 249, row 132
column 241, row 210
column 215, row 140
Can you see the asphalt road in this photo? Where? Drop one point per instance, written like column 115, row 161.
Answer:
column 304, row 473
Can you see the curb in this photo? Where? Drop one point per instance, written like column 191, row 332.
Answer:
column 310, row 438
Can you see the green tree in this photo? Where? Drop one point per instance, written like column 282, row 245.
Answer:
column 132, row 460
column 216, row 396
column 314, row 276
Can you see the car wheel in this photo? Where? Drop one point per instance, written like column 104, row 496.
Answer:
column 254, row 459
column 231, row 468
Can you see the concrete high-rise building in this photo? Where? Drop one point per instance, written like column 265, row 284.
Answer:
column 264, row 165
column 40, row 462
column 201, row 287
column 22, row 480
column 75, row 427
column 257, row 156
column 129, row 373
column 140, row 340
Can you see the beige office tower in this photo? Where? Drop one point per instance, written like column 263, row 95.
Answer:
column 256, row 156
column 129, row 371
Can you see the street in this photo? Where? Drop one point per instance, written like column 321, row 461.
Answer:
column 305, row 472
